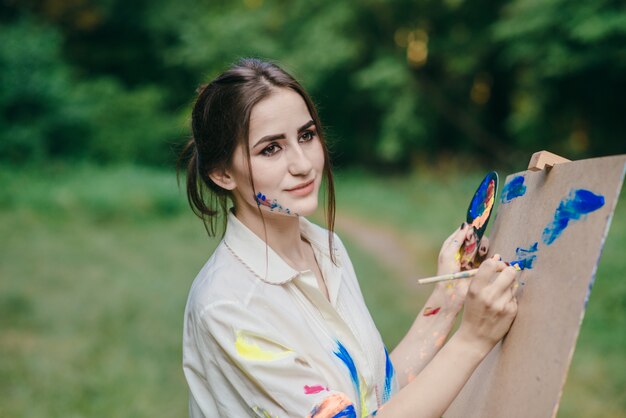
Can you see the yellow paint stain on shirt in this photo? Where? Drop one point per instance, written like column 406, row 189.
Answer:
column 263, row 412
column 251, row 351
column 364, row 411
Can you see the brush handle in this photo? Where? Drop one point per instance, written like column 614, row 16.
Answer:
column 460, row 275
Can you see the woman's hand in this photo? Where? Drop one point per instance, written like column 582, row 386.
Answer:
column 450, row 262
column 491, row 305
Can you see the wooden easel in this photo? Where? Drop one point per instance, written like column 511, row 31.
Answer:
column 523, row 376
column 545, row 160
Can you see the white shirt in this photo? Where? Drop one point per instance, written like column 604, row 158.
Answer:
column 260, row 338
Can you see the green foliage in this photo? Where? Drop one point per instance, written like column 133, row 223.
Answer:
column 47, row 112
column 33, row 97
column 568, row 61
column 396, row 82
column 127, row 125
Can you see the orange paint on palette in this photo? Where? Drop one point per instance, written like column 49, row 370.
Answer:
column 428, row 311
column 480, row 220
column 332, row 406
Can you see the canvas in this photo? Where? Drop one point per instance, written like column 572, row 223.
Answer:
column 554, row 223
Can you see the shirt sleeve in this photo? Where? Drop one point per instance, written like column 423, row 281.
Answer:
column 263, row 369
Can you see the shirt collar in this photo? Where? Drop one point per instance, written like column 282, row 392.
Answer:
column 262, row 260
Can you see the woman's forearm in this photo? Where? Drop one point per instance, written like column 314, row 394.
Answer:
column 431, row 392
column 426, row 336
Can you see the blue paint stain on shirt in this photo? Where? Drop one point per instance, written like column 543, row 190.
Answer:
column 513, row 189
column 525, row 256
column 344, row 356
column 389, row 372
column 577, row 204
column 348, row 412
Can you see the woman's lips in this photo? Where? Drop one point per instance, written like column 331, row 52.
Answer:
column 302, row 189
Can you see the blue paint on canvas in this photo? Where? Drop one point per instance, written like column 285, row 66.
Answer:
column 525, row 257
column 577, row 204
column 513, row 189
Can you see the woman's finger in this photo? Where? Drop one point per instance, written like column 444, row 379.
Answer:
column 505, row 280
column 483, row 249
column 458, row 239
column 455, row 235
column 487, row 272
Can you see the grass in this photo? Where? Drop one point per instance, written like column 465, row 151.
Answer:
column 96, row 263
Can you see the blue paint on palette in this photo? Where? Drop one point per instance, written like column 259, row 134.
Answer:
column 389, row 371
column 577, row 204
column 513, row 189
column 344, row 356
column 477, row 206
column 348, row 411
column 525, row 257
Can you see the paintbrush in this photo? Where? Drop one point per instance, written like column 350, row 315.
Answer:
column 460, row 275
column 452, row 276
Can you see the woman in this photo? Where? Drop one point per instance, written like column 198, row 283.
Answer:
column 275, row 323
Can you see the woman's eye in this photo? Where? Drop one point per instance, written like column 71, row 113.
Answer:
column 307, row 136
column 270, row 150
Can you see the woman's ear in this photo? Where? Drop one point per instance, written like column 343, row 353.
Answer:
column 223, row 178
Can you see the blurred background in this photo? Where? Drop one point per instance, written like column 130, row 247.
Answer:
column 418, row 98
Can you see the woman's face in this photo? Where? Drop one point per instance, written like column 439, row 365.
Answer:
column 286, row 158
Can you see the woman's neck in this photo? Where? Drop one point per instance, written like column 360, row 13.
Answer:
column 280, row 232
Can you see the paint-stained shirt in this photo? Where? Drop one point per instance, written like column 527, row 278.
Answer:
column 260, row 338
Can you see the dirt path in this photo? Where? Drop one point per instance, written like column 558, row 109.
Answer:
column 400, row 254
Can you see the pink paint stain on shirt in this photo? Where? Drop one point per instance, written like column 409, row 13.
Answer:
column 431, row 311
column 311, row 390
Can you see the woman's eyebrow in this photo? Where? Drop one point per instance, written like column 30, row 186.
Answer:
column 306, row 126
column 270, row 138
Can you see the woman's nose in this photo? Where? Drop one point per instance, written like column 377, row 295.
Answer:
column 299, row 162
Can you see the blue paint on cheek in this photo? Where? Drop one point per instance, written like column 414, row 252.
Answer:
column 577, row 204
column 348, row 412
column 389, row 372
column 525, row 256
column 513, row 189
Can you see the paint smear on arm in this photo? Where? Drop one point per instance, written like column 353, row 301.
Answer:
column 574, row 207
column 513, row 189
column 428, row 311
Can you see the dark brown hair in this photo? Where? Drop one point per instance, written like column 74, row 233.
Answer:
column 220, row 121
